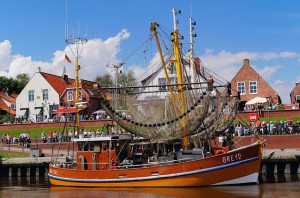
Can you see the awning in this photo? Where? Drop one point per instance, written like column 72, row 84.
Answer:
column 22, row 112
column 256, row 100
column 65, row 110
column 99, row 111
column 36, row 111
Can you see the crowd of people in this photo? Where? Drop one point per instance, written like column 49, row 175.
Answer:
column 263, row 127
column 53, row 136
column 23, row 140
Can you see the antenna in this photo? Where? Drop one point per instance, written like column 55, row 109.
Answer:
column 86, row 31
column 78, row 29
column 76, row 46
column 67, row 22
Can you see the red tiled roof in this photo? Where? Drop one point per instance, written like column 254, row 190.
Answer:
column 57, row 82
column 9, row 98
column 3, row 105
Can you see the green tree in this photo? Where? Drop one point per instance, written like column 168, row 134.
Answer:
column 127, row 79
column 104, row 81
column 23, row 79
column 14, row 85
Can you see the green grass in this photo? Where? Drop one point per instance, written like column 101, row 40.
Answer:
column 12, row 155
column 36, row 133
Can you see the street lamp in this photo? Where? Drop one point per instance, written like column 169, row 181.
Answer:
column 268, row 103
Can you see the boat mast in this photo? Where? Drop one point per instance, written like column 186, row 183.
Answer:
column 153, row 28
column 75, row 45
column 192, row 63
column 177, row 62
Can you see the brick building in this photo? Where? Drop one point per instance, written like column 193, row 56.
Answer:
column 295, row 95
column 250, row 85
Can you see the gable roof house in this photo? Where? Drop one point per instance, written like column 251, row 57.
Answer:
column 46, row 95
column 156, row 81
column 250, row 85
column 89, row 92
column 295, row 95
column 8, row 102
column 41, row 96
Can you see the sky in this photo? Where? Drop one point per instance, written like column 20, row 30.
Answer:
column 33, row 33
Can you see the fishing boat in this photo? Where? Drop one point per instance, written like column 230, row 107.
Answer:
column 168, row 130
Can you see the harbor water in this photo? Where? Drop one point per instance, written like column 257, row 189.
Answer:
column 40, row 187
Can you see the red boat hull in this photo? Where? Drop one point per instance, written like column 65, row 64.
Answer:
column 239, row 166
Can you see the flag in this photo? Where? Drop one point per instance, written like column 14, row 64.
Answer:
column 67, row 59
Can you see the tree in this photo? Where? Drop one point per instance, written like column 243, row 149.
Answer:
column 23, row 79
column 14, row 85
column 104, row 81
column 127, row 79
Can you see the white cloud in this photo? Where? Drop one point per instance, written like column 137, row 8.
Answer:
column 278, row 82
column 267, row 71
column 5, row 55
column 288, row 54
column 96, row 55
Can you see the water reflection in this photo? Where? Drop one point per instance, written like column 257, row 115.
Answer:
column 40, row 187
column 224, row 192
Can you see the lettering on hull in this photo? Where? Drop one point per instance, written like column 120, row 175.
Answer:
column 232, row 158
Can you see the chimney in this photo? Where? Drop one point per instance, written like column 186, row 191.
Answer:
column 38, row 69
column 66, row 78
column 197, row 65
column 246, row 61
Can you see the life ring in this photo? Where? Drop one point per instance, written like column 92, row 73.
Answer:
column 220, row 152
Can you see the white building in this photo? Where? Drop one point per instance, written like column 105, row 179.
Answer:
column 41, row 96
column 151, row 91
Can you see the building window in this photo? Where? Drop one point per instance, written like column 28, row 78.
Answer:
column 45, row 94
column 70, row 95
column 31, row 95
column 172, row 68
column 241, row 87
column 80, row 94
column 252, row 87
column 174, row 80
column 162, row 82
column 13, row 106
column 297, row 98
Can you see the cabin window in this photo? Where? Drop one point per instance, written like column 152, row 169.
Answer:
column 92, row 145
column 86, row 146
column 112, row 147
column 241, row 87
column 252, row 87
column 104, row 146
column 97, row 147
column 80, row 146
